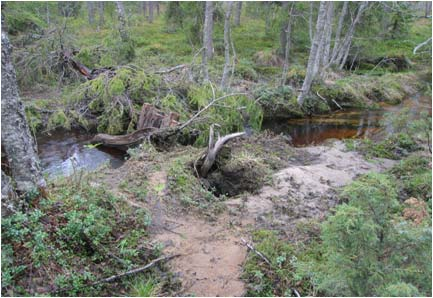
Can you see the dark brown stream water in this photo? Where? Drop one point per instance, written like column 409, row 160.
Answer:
column 62, row 151
column 349, row 123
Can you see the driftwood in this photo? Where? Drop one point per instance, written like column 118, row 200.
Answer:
column 123, row 142
column 214, row 148
column 151, row 121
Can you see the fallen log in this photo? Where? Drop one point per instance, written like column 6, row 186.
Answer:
column 123, row 142
column 162, row 130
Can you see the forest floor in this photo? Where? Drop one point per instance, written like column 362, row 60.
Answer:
column 211, row 248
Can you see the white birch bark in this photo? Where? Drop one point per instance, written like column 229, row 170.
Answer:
column 287, row 45
column 144, row 8
column 224, row 79
column 91, row 12
column 338, row 30
column 208, row 29
column 347, row 41
column 101, row 14
column 122, row 21
column 328, row 34
column 314, row 51
column 238, row 13
column 310, row 22
column 150, row 5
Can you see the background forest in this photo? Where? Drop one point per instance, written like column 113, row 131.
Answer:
column 93, row 66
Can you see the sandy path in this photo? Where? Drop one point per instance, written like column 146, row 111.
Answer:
column 211, row 253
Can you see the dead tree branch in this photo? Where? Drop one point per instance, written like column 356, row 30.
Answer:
column 207, row 107
column 165, row 71
column 421, row 45
column 251, row 247
column 127, row 273
column 214, row 148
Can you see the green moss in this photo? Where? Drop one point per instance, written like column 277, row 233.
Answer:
column 278, row 102
column 59, row 119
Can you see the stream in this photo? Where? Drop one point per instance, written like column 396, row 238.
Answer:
column 344, row 124
column 62, row 152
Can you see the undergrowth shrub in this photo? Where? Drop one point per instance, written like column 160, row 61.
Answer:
column 276, row 278
column 369, row 248
column 70, row 238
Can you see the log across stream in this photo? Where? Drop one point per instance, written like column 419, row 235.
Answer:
column 62, row 150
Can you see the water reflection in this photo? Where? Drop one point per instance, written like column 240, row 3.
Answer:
column 63, row 151
column 344, row 124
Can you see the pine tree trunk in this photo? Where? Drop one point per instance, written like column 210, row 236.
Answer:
column 91, row 12
column 122, row 21
column 288, row 33
column 16, row 139
column 151, row 8
column 238, row 13
column 224, row 79
column 208, row 30
column 316, row 46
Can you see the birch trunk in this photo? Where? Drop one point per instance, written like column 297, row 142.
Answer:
column 338, row 30
column 101, row 13
column 208, row 30
column 314, row 52
column 310, row 22
column 122, row 21
column 157, row 8
column 238, row 13
column 427, row 9
column 144, row 8
column 287, row 46
column 16, row 139
column 268, row 17
column 328, row 34
column 91, row 12
column 151, row 8
column 227, row 36
column 345, row 45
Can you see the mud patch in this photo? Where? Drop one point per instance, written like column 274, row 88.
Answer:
column 211, row 255
column 302, row 195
